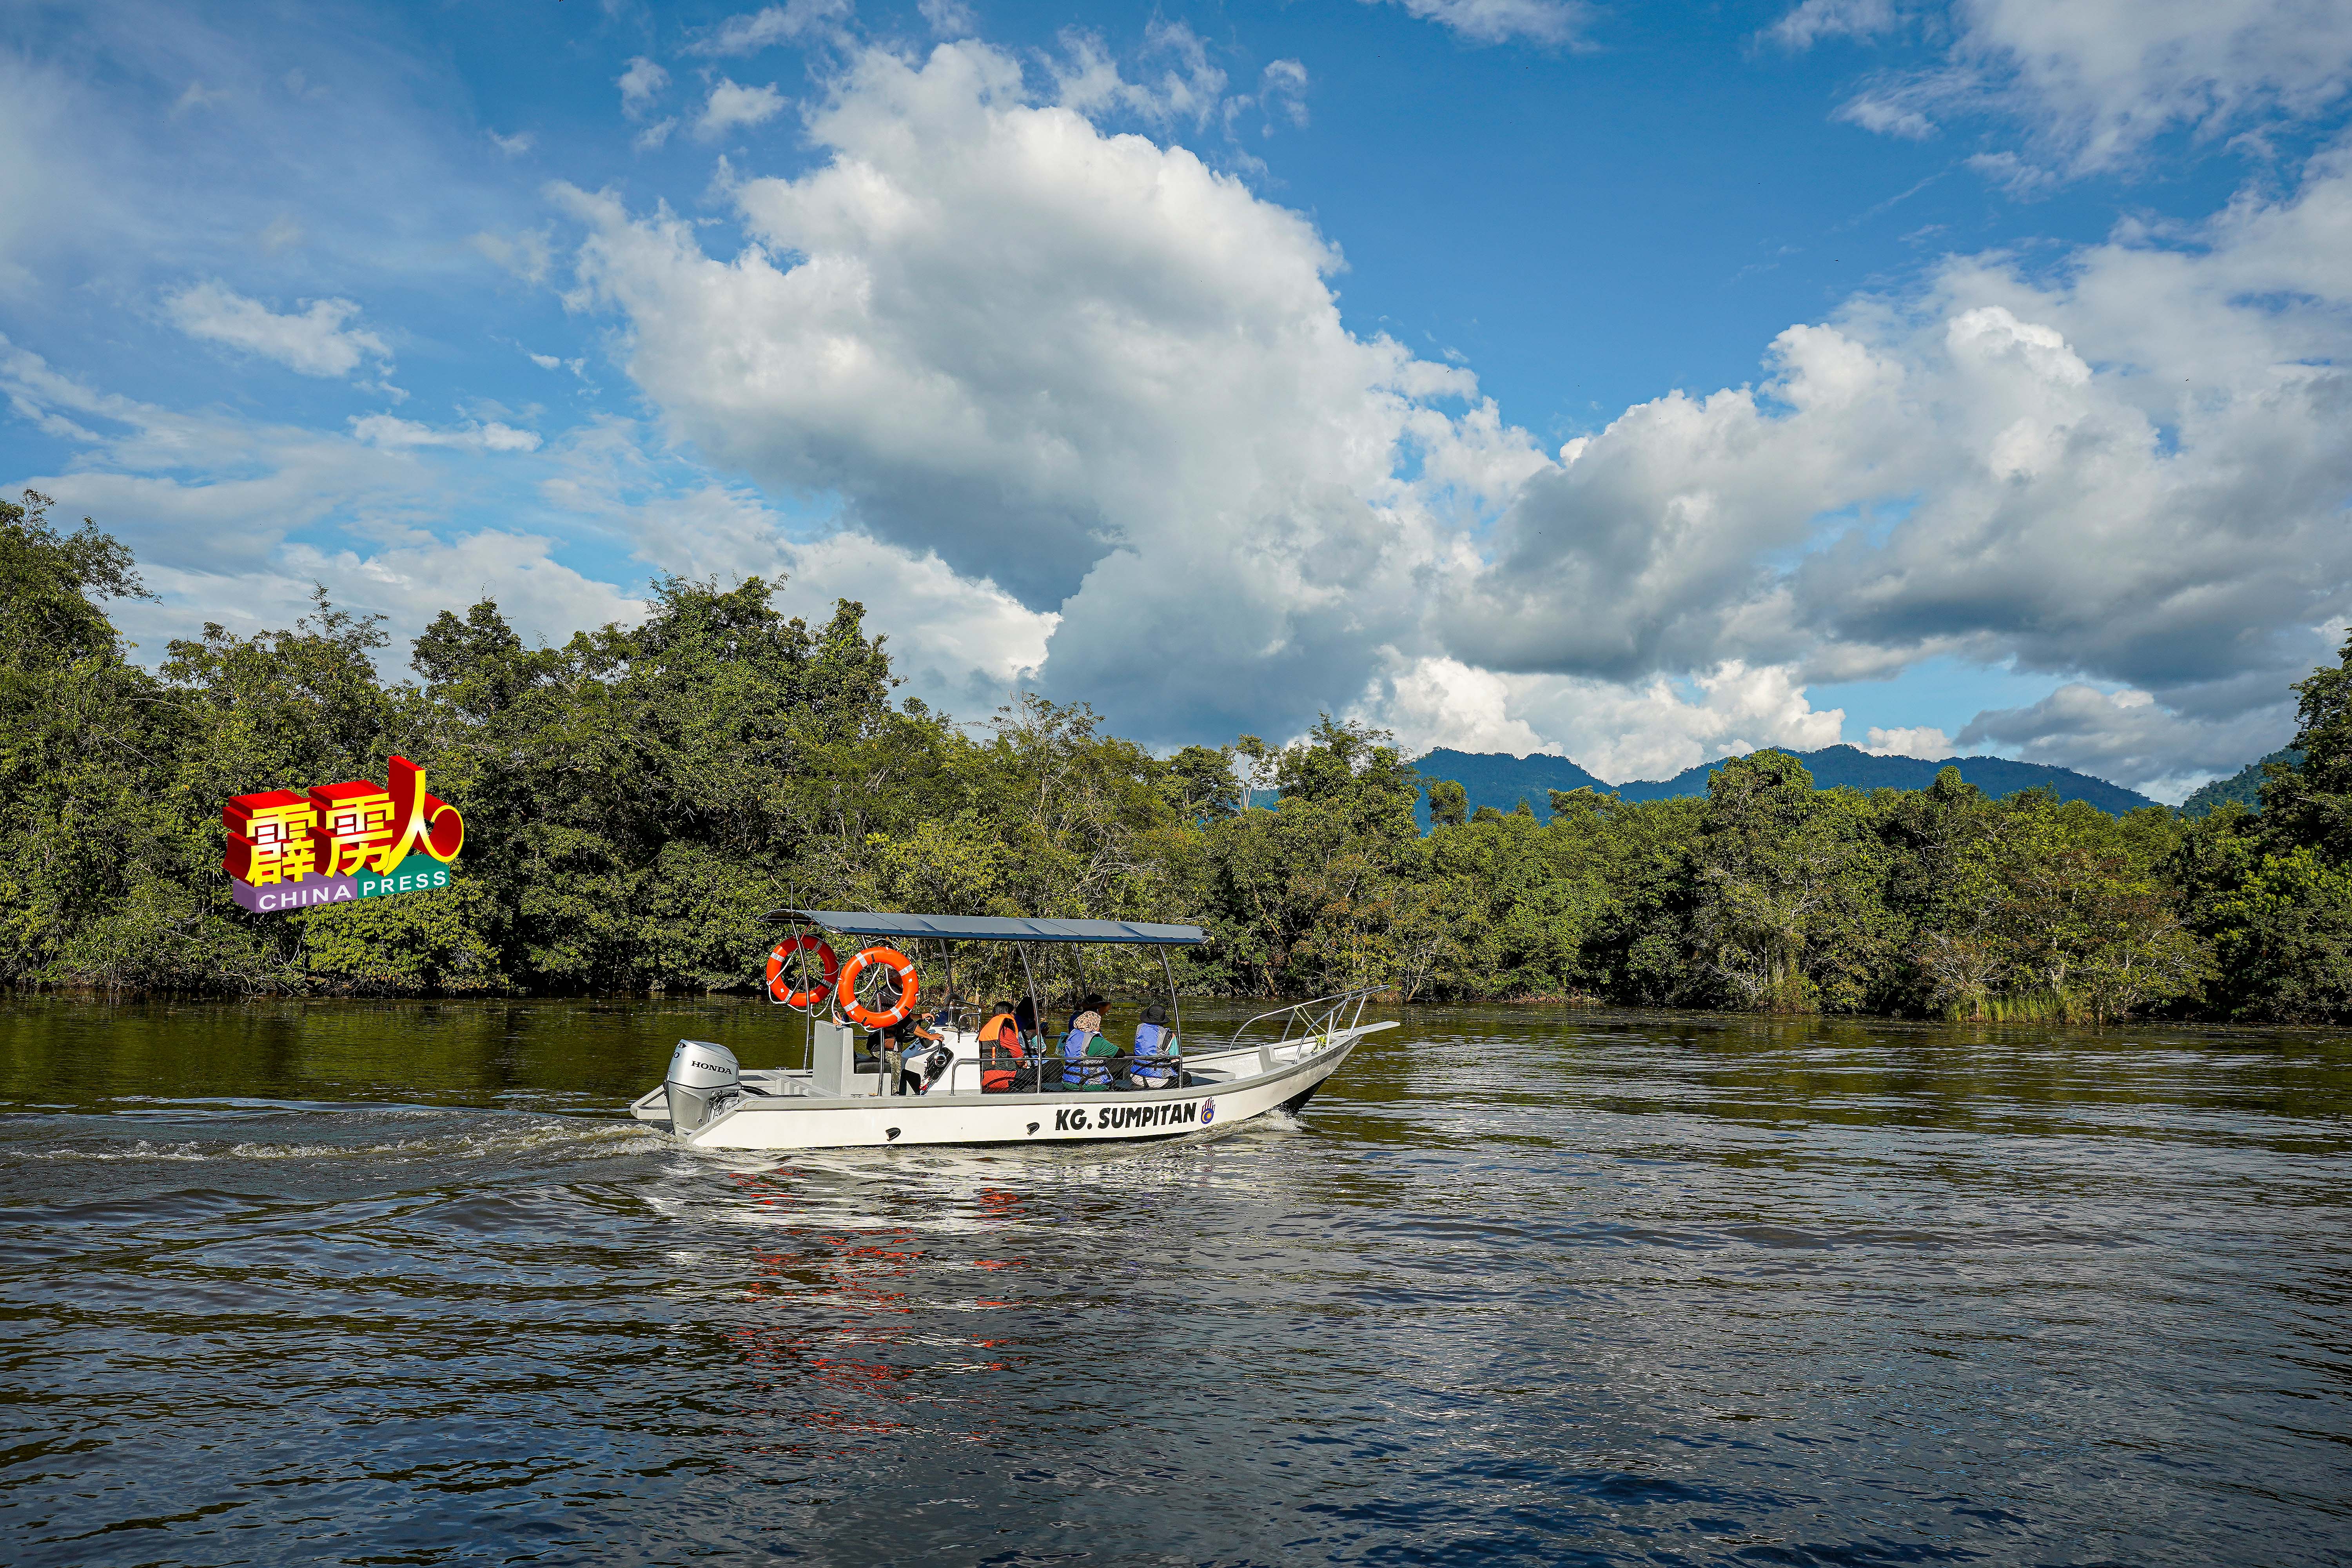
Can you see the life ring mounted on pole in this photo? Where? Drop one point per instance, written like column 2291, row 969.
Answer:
column 782, row 990
column 856, row 1011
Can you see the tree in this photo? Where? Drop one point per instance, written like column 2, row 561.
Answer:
column 1788, row 909
column 97, row 871
column 2311, row 805
column 1944, row 885
column 1449, row 803
column 49, row 586
column 1303, row 896
column 1201, row 783
column 1256, row 767
column 2283, row 941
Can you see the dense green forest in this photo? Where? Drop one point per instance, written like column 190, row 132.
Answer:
column 637, row 798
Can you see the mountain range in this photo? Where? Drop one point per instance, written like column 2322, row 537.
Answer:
column 1502, row 780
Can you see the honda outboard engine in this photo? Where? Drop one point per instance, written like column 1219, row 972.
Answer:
column 703, row 1082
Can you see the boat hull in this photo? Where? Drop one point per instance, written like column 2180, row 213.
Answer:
column 1234, row 1087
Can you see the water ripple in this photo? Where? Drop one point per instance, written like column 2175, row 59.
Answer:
column 1522, row 1286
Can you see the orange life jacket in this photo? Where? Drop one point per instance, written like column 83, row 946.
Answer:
column 999, row 1047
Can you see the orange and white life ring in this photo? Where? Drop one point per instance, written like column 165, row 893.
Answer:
column 858, row 1012
column 782, row 989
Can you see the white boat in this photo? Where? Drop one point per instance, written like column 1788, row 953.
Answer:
column 844, row 1100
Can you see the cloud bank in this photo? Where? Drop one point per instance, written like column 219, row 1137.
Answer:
column 1089, row 368
column 1071, row 406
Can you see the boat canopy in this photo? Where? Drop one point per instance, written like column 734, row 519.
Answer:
column 975, row 928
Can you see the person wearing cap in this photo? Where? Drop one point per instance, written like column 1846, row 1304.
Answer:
column 1154, row 1066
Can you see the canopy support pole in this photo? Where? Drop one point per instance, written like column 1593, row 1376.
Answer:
column 1078, row 972
column 1029, row 980
column 1175, row 1009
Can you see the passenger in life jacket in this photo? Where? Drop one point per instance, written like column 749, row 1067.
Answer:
column 1085, row 1054
column 1154, row 1066
column 1001, row 1054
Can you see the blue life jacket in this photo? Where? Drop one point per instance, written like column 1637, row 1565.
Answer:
column 1154, row 1048
column 1080, row 1069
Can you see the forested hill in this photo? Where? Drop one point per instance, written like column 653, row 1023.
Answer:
column 2245, row 786
column 1502, row 780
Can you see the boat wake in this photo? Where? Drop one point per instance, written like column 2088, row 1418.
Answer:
column 497, row 1136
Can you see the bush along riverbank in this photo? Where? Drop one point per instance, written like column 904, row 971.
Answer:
column 635, row 798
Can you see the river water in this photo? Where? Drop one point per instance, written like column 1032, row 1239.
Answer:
column 357, row 1283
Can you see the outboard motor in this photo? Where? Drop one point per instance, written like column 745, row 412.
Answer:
column 703, row 1082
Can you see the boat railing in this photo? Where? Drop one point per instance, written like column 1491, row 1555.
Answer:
column 1037, row 1072
column 1318, row 1016
column 1042, row 1067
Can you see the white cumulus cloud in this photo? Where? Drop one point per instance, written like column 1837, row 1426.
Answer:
column 209, row 501
column 394, row 435
column 1086, row 368
column 786, row 23
column 640, row 85
column 950, row 19
column 960, row 642
column 1817, row 19
column 316, row 341
column 1180, row 85
column 1922, row 741
column 1501, row 21
column 1656, row 727
column 730, row 107
column 2096, row 81
column 1888, row 117
column 1620, row 730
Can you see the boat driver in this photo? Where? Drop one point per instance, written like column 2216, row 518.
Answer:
column 903, row 1044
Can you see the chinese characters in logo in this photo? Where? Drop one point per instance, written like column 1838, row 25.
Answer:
column 339, row 842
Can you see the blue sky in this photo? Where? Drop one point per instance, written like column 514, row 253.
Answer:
column 1642, row 383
